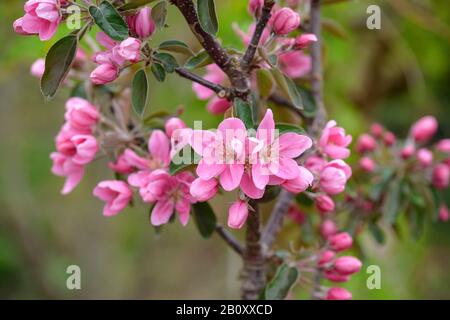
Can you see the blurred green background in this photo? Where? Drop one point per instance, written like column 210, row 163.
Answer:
column 393, row 75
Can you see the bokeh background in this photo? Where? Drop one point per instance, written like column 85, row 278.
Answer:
column 393, row 75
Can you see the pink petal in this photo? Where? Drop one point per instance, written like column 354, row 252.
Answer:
column 208, row 171
column 159, row 146
column 232, row 127
column 161, row 213
column 260, row 175
column 293, row 145
column 336, row 152
column 284, row 168
column 73, row 179
column 231, row 177
column 266, row 128
column 237, row 214
column 183, row 208
column 249, row 188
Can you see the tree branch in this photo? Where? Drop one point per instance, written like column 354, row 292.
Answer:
column 275, row 222
column 229, row 239
column 254, row 42
column 220, row 90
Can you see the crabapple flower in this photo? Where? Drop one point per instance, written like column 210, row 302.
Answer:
column 376, row 130
column 217, row 105
column 255, row 7
column 444, row 214
column 295, row 64
column 341, row 241
column 285, row 21
column 441, row 176
column 366, row 143
column 172, row 125
column 38, row 68
column 142, row 23
column 389, row 138
column 334, row 141
column 203, row 190
column 334, row 176
column 338, row 294
column 407, row 151
column 300, row 183
column 326, row 257
column 347, row 265
column 324, row 203
column 424, row 129
column 334, row 276
column 80, row 114
column 367, row 164
column 104, row 73
column 213, row 74
column 425, row 157
column 304, row 40
column 443, row 146
column 63, row 166
column 296, row 215
column 237, row 214
column 247, row 36
column 41, row 17
column 121, row 165
column 328, row 228
column 130, row 49
column 117, row 195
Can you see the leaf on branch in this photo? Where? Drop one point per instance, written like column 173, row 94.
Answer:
column 176, row 46
column 135, row 4
column 57, row 64
column 287, row 127
column 288, row 87
column 244, row 112
column 377, row 233
column 207, row 16
column 279, row 287
column 309, row 103
column 139, row 97
column 159, row 14
column 109, row 20
column 168, row 61
column 264, row 80
column 200, row 60
column 204, row 218
column 158, row 72
column 391, row 205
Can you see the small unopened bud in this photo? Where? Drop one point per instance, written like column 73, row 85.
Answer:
column 285, row 21
column 341, row 241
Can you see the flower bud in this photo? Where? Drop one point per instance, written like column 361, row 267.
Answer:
column 130, row 49
column 203, row 190
column 338, row 294
column 425, row 157
column 441, row 176
column 326, row 257
column 328, row 228
column 237, row 214
column 142, row 23
column 80, row 114
column 255, row 7
column 366, row 143
column 407, row 151
column 444, row 214
column 172, row 125
column 104, row 73
column 304, row 40
column 424, row 129
column 367, row 164
column 347, row 265
column 376, row 130
column 218, row 106
column 296, row 215
column 334, row 276
column 444, row 146
column 389, row 138
column 285, row 21
column 341, row 241
column 325, row 204
column 38, row 68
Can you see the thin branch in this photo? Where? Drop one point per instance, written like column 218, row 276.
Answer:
column 275, row 222
column 229, row 239
column 256, row 38
column 221, row 91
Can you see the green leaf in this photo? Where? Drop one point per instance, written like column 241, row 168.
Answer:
column 176, row 46
column 79, row 91
column 377, row 233
column 264, row 81
column 207, row 16
column 204, row 218
column 183, row 160
column 309, row 103
column 109, row 20
column 244, row 112
column 270, row 194
column 167, row 60
column 57, row 64
column 278, row 288
column 391, row 203
column 160, row 114
column 286, row 127
column 139, row 96
column 416, row 222
column 135, row 4
column 201, row 59
column 288, row 87
column 158, row 72
column 380, row 186
column 159, row 14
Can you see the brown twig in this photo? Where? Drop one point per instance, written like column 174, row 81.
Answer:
column 220, row 90
column 230, row 240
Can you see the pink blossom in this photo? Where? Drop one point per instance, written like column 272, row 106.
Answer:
column 328, row 228
column 255, row 7
column 217, row 105
column 104, row 73
column 80, row 114
column 105, row 40
column 367, row 164
column 285, row 21
column 121, row 165
column 441, row 176
column 237, row 214
column 376, row 130
column 425, row 157
column 315, row 164
column 117, row 195
column 130, row 49
column 444, row 214
column 142, row 23
column 215, row 75
column 407, row 151
column 326, row 257
column 295, row 64
column 334, row 276
column 347, row 265
column 296, row 215
column 298, row 184
column 334, row 176
column 63, row 166
column 203, row 190
column 389, row 138
column 247, row 36
column 334, row 141
column 443, row 145
column 38, row 68
column 41, row 17
column 338, row 294
column 304, row 40
column 172, row 125
column 424, row 129
column 341, row 241
column 324, row 203
column 81, row 148
column 366, row 143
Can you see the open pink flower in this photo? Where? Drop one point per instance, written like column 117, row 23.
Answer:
column 81, row 114
column 81, row 148
column 117, row 195
column 334, row 176
column 64, row 166
column 334, row 141
column 295, row 64
column 41, row 17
